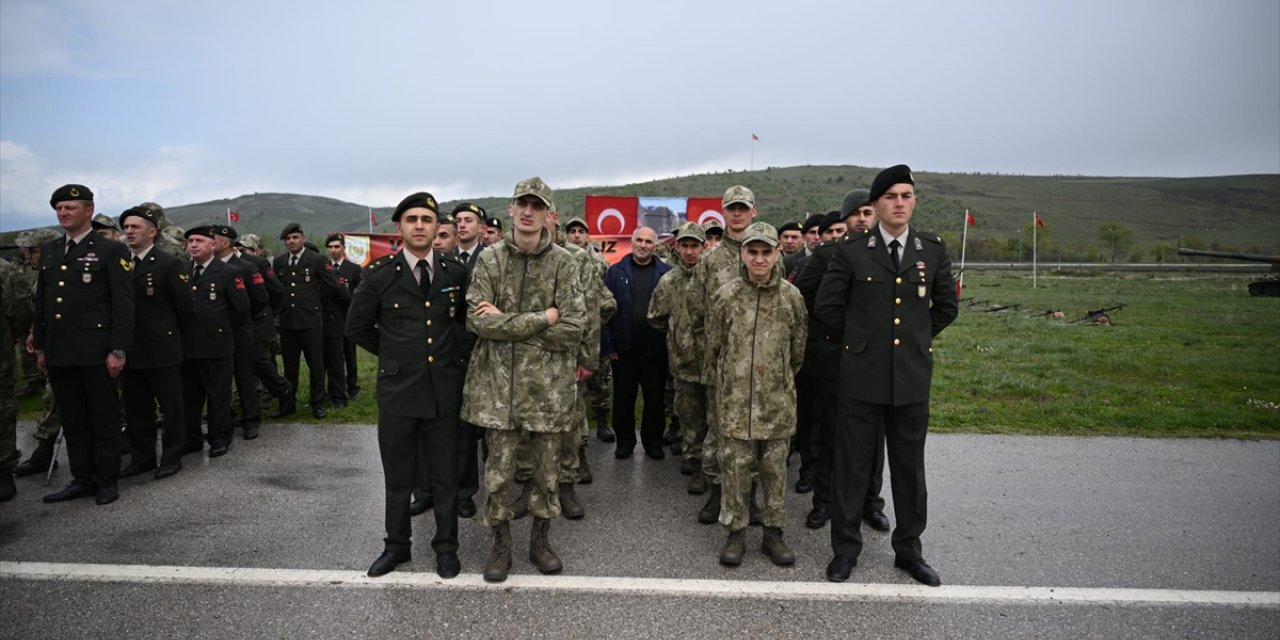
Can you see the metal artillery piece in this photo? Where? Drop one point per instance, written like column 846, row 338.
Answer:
column 1269, row 288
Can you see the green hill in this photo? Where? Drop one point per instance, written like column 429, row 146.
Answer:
column 1230, row 212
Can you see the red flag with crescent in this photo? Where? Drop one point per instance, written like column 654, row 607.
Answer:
column 612, row 215
column 700, row 210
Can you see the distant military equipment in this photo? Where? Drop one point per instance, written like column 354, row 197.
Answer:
column 1268, row 288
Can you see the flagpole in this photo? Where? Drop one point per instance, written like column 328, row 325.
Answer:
column 1035, row 228
column 228, row 216
column 964, row 243
column 753, row 152
column 370, row 219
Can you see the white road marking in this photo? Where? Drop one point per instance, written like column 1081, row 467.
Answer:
column 645, row 586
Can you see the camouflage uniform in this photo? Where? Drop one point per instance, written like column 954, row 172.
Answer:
column 597, row 389
column 522, row 372
column 15, row 311
column 756, row 338
column 669, row 311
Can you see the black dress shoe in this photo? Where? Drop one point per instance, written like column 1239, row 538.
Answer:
column 877, row 520
column 919, row 571
column 447, row 564
column 623, row 454
column 839, row 567
column 106, row 494
column 387, row 562
column 420, row 506
column 817, row 518
column 287, row 408
column 319, row 412
column 218, row 449
column 167, row 470
column 71, row 492
column 135, row 469
column 803, row 485
column 250, row 431
column 466, row 508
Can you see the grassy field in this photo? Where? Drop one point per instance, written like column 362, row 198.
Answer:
column 1191, row 355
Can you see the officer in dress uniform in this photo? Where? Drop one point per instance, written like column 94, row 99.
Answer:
column 83, row 332
column 349, row 273
column 264, row 325
column 220, row 309
column 307, row 278
column 259, row 300
column 887, row 294
column 153, row 372
column 334, row 308
column 411, row 312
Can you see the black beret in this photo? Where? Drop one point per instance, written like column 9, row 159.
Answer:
column 225, row 231
column 853, row 200
column 309, row 245
column 292, row 227
column 140, row 211
column 789, row 226
column 420, row 199
column 473, row 208
column 897, row 174
column 831, row 218
column 70, row 192
column 205, row 230
column 335, row 237
column 811, row 222
column 493, row 222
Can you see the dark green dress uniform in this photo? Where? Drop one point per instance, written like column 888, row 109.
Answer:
column 264, row 331
column 220, row 308
column 306, row 281
column 887, row 318
column 84, row 311
column 334, row 308
column 823, row 351
column 153, row 370
column 242, row 362
column 350, row 273
column 419, row 340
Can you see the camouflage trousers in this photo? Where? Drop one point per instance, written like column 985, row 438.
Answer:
column 691, row 407
column 500, row 470
column 50, row 417
column 711, row 442
column 598, row 388
column 737, row 458
column 569, row 465
column 8, row 404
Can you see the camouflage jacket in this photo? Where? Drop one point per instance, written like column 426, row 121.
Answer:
column 15, row 298
column 597, row 299
column 756, row 336
column 669, row 310
column 718, row 266
column 522, row 372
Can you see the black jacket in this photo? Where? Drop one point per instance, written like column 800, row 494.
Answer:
column 162, row 311
column 220, row 307
column 84, row 301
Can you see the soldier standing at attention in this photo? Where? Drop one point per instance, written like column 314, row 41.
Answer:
column 264, row 322
column 888, row 294
column 306, row 278
column 351, row 276
column 259, row 301
column 334, row 308
column 410, row 311
column 219, row 311
column 83, row 330
column 756, row 335
column 15, row 311
column 669, row 312
column 153, row 373
column 469, row 221
column 525, row 308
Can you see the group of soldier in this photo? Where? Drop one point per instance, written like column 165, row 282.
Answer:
column 776, row 344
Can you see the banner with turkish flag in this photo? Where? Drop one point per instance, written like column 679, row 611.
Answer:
column 364, row 248
column 700, row 210
column 612, row 215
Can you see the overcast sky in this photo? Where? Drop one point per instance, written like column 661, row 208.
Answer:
column 182, row 102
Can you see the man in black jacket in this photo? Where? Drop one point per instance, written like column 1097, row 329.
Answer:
column 264, row 325
column 259, row 300
column 153, row 372
column 349, row 274
column 307, row 278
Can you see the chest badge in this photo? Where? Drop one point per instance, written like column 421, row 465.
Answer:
column 86, row 277
column 213, row 292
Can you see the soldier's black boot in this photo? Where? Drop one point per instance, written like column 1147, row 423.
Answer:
column 711, row 510
column 540, row 552
column 734, row 548
column 697, row 482
column 755, row 512
column 584, row 469
column 672, row 436
column 38, row 462
column 569, row 506
column 604, row 429
column 774, row 547
column 8, row 488
column 499, row 564
column 521, row 505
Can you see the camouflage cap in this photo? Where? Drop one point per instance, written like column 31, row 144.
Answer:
column 41, row 236
column 577, row 220
column 713, row 224
column 160, row 219
column 760, row 232
column 535, row 187
column 738, row 194
column 104, row 221
column 249, row 241
column 175, row 233
column 853, row 200
column 691, row 230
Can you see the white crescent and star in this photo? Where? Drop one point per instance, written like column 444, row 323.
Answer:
column 710, row 213
column 610, row 213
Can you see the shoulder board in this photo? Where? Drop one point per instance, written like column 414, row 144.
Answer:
column 450, row 258
column 930, row 236
column 380, row 263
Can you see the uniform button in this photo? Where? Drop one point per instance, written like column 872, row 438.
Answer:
column 99, row 326
column 57, row 316
column 896, row 342
column 930, row 349
column 428, row 322
column 395, row 305
column 293, row 284
column 897, row 280
column 293, row 306
column 59, row 300
column 291, row 294
column 897, row 300
column 61, row 283
column 428, row 340
column 897, row 321
column 430, row 359
column 868, row 278
column 428, row 304
column 63, row 267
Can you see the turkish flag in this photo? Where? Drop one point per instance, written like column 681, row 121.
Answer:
column 235, row 216
column 372, row 218
column 755, row 138
column 612, row 215
column 968, row 218
column 701, row 210
column 1039, row 221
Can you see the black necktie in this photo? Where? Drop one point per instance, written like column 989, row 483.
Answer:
column 71, row 244
column 293, row 262
column 462, row 257
column 424, row 279
column 893, row 251
column 196, row 273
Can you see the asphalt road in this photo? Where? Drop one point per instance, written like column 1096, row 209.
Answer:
column 1087, row 515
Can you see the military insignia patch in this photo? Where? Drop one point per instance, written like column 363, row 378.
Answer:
column 239, row 282
column 128, row 266
column 74, row 191
column 184, row 277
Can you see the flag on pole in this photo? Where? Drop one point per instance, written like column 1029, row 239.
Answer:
column 373, row 219
column 969, row 219
column 232, row 216
column 1039, row 220
column 755, row 138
